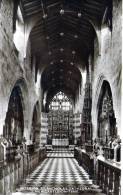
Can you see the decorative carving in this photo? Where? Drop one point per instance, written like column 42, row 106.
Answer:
column 60, row 117
column 106, row 118
column 86, row 132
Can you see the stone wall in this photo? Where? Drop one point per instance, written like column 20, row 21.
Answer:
column 107, row 66
column 11, row 72
column 80, row 97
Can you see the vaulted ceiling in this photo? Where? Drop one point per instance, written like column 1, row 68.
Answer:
column 63, row 38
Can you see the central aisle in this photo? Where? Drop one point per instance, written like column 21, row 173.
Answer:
column 60, row 168
column 59, row 173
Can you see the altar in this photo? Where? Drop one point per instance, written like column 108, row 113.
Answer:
column 60, row 142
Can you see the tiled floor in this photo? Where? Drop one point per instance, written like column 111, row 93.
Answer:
column 60, row 154
column 58, row 174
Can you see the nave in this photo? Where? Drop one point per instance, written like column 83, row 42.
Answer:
column 59, row 173
column 60, row 87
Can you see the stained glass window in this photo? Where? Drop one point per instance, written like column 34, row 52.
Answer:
column 60, row 102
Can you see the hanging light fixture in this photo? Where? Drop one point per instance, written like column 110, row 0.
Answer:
column 49, row 53
column 75, row 36
column 51, row 63
column 71, row 63
column 62, row 11
column 61, row 34
column 79, row 15
column 44, row 14
column 73, row 52
column 61, row 49
column 47, row 37
column 61, row 61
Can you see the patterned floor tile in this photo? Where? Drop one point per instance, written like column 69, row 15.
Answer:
column 59, row 173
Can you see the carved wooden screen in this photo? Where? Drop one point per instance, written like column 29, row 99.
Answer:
column 60, row 118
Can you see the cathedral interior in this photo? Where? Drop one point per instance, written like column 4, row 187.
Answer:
column 60, row 97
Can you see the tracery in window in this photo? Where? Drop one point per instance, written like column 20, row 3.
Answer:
column 60, row 102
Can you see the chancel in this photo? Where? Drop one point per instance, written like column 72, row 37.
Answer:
column 60, row 97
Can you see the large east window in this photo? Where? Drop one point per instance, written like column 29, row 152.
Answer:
column 60, row 102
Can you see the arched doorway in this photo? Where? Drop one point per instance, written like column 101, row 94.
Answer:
column 36, row 125
column 106, row 117
column 14, row 122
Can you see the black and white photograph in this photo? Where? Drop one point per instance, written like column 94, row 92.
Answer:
column 61, row 97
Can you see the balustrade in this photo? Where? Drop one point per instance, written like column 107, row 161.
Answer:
column 89, row 148
column 108, row 153
column 85, row 160
column 15, row 171
column 104, row 169
column 109, row 175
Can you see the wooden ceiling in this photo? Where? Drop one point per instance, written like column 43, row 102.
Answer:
column 59, row 78
column 63, row 37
